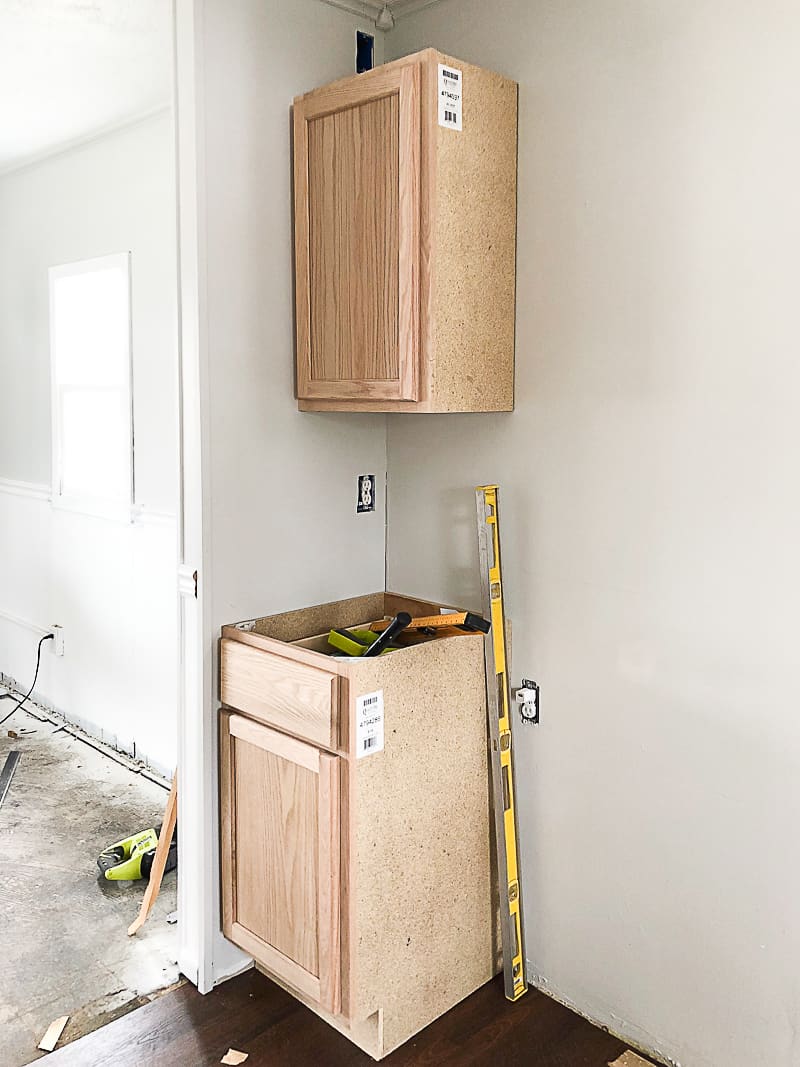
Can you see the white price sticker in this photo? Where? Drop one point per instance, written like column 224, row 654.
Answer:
column 369, row 724
column 451, row 97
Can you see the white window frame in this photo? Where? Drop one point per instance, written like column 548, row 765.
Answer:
column 97, row 505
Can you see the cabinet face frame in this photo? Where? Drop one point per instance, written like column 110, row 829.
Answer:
column 326, row 987
column 403, row 82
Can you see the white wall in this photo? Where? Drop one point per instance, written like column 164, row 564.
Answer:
column 112, row 586
column 651, row 518
column 280, row 528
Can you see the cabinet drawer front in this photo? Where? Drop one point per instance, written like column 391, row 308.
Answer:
column 280, row 692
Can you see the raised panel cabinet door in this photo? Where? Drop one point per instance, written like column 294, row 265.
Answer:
column 357, row 223
column 280, row 855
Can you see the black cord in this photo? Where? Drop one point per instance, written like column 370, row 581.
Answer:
column 47, row 637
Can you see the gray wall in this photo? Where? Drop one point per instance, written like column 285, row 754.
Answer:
column 651, row 515
column 279, row 523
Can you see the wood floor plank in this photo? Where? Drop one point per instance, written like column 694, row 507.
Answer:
column 252, row 1014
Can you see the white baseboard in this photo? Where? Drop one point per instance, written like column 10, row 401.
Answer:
column 234, row 968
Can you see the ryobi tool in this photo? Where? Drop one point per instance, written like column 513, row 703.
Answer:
column 498, row 704
column 351, row 642
column 133, row 858
column 366, row 642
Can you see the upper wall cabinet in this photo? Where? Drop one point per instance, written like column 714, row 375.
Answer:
column 405, row 182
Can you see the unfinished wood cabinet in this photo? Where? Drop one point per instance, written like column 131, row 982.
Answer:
column 295, row 696
column 405, row 240
column 281, row 855
column 357, row 872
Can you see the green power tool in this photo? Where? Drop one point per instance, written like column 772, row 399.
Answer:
column 367, row 643
column 133, row 858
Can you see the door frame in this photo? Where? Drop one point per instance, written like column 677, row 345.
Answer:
column 205, row 957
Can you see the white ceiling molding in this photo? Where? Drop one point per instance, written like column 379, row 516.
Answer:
column 87, row 139
column 401, row 8
column 69, row 68
column 370, row 9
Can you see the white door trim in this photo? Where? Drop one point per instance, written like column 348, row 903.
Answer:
column 193, row 909
column 204, row 955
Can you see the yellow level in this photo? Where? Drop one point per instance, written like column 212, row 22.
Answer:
column 499, row 711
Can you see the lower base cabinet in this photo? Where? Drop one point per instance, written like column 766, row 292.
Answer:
column 355, row 819
column 282, row 855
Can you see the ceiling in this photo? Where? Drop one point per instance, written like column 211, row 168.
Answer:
column 71, row 68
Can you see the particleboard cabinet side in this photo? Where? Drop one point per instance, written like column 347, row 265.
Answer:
column 464, row 194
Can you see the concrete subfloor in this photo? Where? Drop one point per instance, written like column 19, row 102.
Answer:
column 63, row 932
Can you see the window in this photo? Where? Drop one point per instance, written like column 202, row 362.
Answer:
column 90, row 346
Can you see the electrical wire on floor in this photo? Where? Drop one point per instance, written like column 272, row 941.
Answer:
column 47, row 637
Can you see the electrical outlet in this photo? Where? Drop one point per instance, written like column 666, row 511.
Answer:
column 58, row 640
column 527, row 698
column 366, row 493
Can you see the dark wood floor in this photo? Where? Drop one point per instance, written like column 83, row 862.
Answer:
column 251, row 1014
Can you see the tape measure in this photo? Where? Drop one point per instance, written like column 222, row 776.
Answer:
column 498, row 704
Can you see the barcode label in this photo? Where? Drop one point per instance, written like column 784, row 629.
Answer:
column 450, row 98
column 369, row 724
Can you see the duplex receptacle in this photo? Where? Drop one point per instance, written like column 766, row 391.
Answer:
column 365, row 500
column 58, row 640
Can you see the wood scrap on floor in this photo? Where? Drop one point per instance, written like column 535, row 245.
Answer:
column 53, row 1033
column 160, row 861
column 10, row 765
column 233, row 1058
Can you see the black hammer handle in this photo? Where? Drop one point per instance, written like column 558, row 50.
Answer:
column 398, row 623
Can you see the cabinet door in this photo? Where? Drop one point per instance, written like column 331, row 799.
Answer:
column 357, row 221
column 280, row 856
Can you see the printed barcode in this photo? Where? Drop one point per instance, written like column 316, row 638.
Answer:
column 450, row 116
column 370, row 700
column 450, row 74
column 369, row 742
